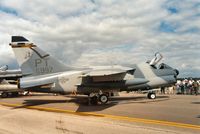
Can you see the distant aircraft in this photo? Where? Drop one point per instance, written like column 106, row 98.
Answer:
column 6, row 78
column 7, row 89
column 42, row 73
column 9, row 74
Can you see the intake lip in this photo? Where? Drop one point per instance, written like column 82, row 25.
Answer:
column 177, row 72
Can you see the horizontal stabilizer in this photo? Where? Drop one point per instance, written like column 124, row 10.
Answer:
column 29, row 82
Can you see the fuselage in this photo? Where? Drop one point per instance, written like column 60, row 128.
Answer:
column 157, row 76
column 145, row 77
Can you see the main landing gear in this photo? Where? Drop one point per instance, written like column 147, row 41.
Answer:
column 151, row 95
column 94, row 99
column 4, row 95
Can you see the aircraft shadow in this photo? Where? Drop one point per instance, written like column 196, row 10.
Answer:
column 138, row 98
column 119, row 101
column 82, row 102
column 195, row 102
column 38, row 102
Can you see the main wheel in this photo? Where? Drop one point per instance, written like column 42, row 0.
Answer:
column 4, row 95
column 103, row 98
column 14, row 94
column 151, row 95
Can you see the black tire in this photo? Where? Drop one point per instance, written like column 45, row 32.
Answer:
column 4, row 95
column 103, row 98
column 148, row 95
column 94, row 100
column 15, row 94
column 111, row 94
column 151, row 95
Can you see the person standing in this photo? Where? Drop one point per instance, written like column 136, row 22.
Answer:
column 162, row 90
column 178, row 83
column 186, row 87
column 195, row 85
column 190, row 86
column 182, row 87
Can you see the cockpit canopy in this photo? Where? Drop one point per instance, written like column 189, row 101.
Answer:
column 157, row 58
column 164, row 66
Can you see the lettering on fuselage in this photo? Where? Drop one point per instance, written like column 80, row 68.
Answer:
column 42, row 66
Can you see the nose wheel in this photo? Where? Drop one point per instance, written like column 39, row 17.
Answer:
column 151, row 95
column 4, row 95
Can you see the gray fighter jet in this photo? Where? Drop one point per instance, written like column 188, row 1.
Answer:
column 42, row 73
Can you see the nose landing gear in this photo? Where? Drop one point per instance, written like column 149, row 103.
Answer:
column 151, row 95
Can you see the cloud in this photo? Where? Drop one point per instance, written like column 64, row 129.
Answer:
column 91, row 32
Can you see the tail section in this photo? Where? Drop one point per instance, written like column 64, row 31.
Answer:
column 32, row 60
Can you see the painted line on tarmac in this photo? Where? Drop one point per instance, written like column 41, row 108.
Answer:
column 115, row 117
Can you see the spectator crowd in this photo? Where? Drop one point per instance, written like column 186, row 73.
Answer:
column 186, row 86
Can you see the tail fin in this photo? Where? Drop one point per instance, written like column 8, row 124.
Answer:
column 32, row 60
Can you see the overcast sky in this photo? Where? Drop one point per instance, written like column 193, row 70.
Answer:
column 106, row 32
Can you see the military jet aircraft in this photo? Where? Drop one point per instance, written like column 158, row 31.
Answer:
column 43, row 73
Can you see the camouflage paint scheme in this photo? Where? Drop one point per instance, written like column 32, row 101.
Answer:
column 43, row 73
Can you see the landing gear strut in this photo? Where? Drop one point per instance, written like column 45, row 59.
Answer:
column 94, row 100
column 151, row 95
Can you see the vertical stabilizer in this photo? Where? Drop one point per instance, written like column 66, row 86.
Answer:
column 32, row 60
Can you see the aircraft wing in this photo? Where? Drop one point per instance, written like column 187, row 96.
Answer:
column 107, row 74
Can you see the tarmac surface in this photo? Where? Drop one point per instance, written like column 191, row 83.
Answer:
column 128, row 113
